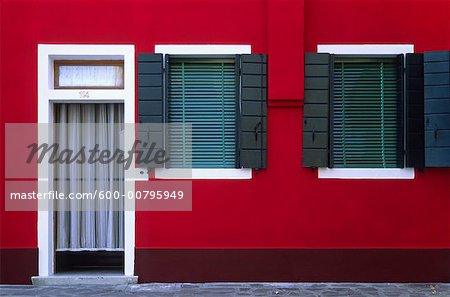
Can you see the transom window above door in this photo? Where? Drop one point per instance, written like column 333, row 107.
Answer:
column 88, row 74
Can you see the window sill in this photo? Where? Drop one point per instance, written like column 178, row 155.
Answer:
column 241, row 173
column 369, row 173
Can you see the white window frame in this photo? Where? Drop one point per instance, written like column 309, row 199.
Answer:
column 366, row 173
column 47, row 96
column 203, row 49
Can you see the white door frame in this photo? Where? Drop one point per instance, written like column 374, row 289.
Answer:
column 47, row 96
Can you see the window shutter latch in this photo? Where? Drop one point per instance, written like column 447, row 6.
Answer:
column 256, row 131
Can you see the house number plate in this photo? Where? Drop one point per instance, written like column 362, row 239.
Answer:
column 83, row 94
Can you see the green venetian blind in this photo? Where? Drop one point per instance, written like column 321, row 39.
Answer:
column 202, row 111
column 366, row 113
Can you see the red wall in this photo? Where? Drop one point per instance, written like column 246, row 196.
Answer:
column 285, row 205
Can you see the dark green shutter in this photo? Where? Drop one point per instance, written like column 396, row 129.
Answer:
column 437, row 108
column 400, row 94
column 316, row 110
column 366, row 109
column 202, row 112
column 415, row 156
column 151, row 97
column 253, row 113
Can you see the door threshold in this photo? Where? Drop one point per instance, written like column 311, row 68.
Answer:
column 84, row 278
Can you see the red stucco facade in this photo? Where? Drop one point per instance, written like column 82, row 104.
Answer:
column 284, row 206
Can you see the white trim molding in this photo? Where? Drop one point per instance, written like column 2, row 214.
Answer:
column 226, row 173
column 47, row 95
column 366, row 49
column 366, row 173
column 363, row 173
column 203, row 49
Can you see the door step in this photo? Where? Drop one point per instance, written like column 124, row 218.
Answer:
column 64, row 279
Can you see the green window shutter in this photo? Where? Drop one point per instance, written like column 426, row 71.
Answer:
column 253, row 113
column 316, row 110
column 366, row 113
column 150, row 110
column 414, row 122
column 437, row 108
column 202, row 110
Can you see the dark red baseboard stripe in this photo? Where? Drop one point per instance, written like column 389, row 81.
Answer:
column 239, row 265
column 17, row 266
column 276, row 265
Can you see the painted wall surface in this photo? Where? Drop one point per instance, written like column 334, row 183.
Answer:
column 285, row 206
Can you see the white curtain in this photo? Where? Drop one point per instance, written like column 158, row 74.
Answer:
column 89, row 224
column 90, row 76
